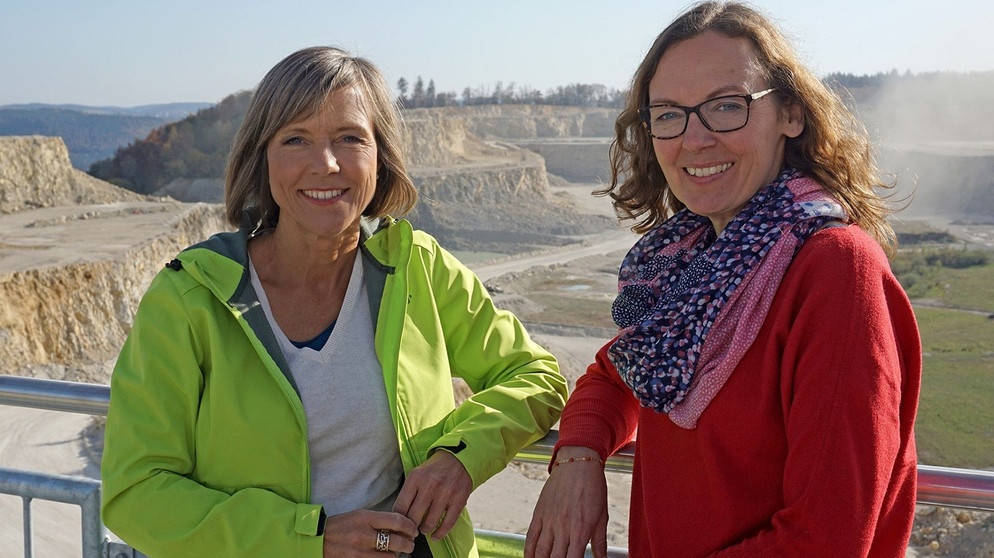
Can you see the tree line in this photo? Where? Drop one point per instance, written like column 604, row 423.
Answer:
column 420, row 95
column 425, row 95
column 880, row 79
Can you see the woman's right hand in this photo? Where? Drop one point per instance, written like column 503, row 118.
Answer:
column 355, row 534
column 571, row 510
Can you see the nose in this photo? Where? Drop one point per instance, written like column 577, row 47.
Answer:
column 327, row 162
column 697, row 135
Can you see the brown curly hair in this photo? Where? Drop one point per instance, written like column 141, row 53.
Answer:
column 834, row 147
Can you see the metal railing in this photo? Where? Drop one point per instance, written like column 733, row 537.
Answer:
column 80, row 491
column 943, row 486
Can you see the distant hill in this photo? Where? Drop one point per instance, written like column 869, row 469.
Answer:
column 90, row 133
column 195, row 147
column 166, row 111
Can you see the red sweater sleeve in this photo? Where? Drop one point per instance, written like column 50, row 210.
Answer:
column 601, row 414
column 851, row 371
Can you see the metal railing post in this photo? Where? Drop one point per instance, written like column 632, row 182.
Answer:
column 28, row 529
column 80, row 491
column 92, row 529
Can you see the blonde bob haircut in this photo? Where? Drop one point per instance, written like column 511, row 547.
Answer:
column 834, row 147
column 293, row 90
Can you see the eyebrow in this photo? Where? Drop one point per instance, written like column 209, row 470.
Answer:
column 350, row 126
column 719, row 92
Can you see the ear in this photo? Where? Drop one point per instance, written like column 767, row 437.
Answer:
column 793, row 120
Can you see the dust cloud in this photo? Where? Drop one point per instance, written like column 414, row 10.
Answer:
column 933, row 136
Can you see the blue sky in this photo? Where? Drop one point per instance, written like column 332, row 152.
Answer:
column 138, row 52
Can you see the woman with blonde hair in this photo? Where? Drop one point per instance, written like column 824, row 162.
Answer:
column 286, row 389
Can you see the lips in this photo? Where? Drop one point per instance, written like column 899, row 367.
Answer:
column 704, row 172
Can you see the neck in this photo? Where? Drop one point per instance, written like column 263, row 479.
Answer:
column 290, row 261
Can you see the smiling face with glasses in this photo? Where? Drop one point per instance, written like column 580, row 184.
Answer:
column 716, row 154
column 721, row 114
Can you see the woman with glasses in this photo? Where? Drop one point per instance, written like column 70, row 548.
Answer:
column 767, row 362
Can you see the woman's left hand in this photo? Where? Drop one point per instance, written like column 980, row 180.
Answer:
column 435, row 493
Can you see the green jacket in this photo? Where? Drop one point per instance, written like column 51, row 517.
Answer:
column 206, row 441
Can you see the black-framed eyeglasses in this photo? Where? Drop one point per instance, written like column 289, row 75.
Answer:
column 720, row 114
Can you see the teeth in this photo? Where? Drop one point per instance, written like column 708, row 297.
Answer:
column 322, row 194
column 708, row 171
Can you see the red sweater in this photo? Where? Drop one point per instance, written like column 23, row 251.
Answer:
column 808, row 450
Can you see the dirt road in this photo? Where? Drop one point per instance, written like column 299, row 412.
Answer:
column 605, row 243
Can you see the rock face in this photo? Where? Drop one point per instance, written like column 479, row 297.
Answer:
column 82, row 311
column 35, row 172
column 522, row 122
column 572, row 141
column 483, row 180
column 76, row 254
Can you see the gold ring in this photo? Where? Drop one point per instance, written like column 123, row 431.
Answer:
column 383, row 541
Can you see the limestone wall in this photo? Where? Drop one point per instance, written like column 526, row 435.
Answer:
column 486, row 185
column 531, row 121
column 82, row 312
column 434, row 139
column 572, row 141
column 583, row 161
column 76, row 255
column 35, row 172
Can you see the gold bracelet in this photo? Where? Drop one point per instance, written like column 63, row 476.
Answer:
column 574, row 459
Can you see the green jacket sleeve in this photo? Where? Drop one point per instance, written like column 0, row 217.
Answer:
column 518, row 391
column 150, row 497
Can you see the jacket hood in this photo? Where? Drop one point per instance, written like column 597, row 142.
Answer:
column 220, row 263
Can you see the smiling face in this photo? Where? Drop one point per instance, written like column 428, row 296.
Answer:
column 322, row 169
column 715, row 174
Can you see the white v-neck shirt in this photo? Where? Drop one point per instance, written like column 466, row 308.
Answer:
column 355, row 460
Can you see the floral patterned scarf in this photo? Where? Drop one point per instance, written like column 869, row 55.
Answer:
column 690, row 304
